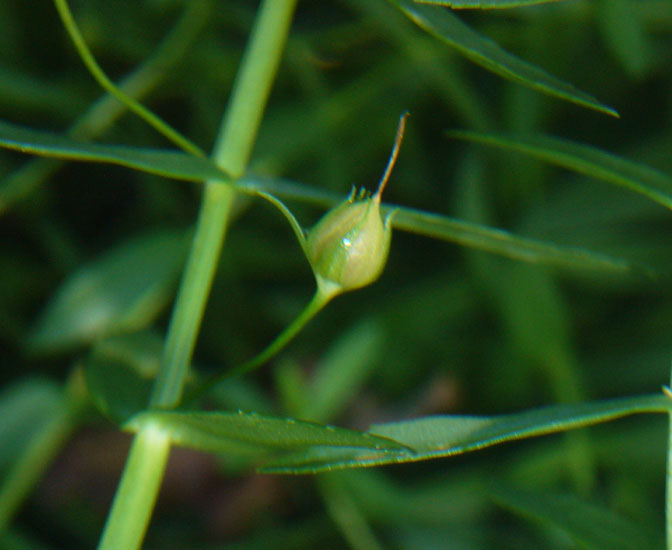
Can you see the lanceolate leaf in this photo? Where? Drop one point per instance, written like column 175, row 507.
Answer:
column 171, row 164
column 223, row 432
column 122, row 290
column 447, row 435
column 447, row 27
column 484, row 4
column 442, row 436
column 583, row 159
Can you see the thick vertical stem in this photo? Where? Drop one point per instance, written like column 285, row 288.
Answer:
column 192, row 295
column 136, row 494
column 231, row 152
column 134, row 501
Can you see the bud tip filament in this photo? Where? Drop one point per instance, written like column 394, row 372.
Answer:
column 393, row 156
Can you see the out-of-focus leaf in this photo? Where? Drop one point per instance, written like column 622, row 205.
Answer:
column 441, row 436
column 223, row 432
column 30, row 93
column 17, row 540
column 447, row 27
column 123, row 290
column 583, row 159
column 342, row 371
column 241, row 393
column 24, row 408
column 484, row 4
column 625, row 34
column 589, row 525
column 438, row 501
column 315, row 531
column 141, row 351
column 117, row 390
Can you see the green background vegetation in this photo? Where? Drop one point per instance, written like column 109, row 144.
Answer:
column 91, row 254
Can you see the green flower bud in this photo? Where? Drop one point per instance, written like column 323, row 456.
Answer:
column 349, row 246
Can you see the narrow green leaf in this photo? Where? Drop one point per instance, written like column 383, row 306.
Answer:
column 499, row 241
column 122, row 290
column 484, row 4
column 442, row 436
column 449, row 496
column 448, row 435
column 590, row 526
column 223, row 432
column 583, row 159
column 447, row 27
column 171, row 164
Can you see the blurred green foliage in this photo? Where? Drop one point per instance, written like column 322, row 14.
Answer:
column 445, row 330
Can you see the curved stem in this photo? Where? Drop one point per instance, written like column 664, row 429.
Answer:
column 316, row 304
column 105, row 111
column 97, row 72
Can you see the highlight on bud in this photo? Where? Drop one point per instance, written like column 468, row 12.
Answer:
column 348, row 247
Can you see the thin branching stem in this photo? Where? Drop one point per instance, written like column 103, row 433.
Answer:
column 318, row 302
column 105, row 111
column 97, row 72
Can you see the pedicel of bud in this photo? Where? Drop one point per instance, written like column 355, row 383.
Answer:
column 348, row 247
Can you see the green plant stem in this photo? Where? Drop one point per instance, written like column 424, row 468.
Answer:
column 102, row 79
column 137, row 491
column 135, row 498
column 192, row 295
column 317, row 303
column 231, row 153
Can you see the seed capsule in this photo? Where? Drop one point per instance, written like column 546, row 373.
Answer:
column 348, row 247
